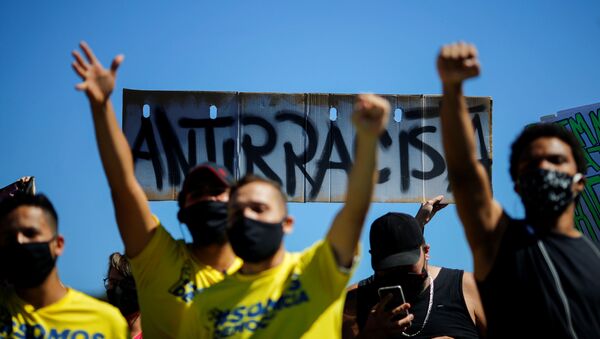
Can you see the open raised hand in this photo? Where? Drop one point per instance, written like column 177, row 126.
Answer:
column 98, row 82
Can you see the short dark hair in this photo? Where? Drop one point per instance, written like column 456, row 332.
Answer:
column 9, row 204
column 545, row 130
column 251, row 178
column 120, row 263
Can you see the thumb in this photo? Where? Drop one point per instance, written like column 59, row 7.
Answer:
column 82, row 86
column 116, row 63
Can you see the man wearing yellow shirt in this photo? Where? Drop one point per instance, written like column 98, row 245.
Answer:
column 168, row 273
column 33, row 301
column 277, row 294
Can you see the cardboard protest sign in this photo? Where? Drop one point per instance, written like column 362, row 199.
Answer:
column 584, row 122
column 303, row 141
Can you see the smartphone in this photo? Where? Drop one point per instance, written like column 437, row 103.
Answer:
column 397, row 298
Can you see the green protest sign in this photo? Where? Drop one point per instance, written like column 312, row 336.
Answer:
column 584, row 123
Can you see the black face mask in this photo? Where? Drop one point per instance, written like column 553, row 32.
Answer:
column 412, row 283
column 207, row 221
column 545, row 194
column 253, row 240
column 124, row 297
column 26, row 265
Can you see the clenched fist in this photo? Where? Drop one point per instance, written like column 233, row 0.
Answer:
column 371, row 114
column 457, row 62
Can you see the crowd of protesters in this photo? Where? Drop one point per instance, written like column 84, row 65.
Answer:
column 533, row 278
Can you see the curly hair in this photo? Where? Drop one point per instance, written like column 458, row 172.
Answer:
column 541, row 130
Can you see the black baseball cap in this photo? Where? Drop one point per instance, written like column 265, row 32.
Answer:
column 208, row 172
column 396, row 240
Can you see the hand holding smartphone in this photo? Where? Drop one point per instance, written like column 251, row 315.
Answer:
column 397, row 298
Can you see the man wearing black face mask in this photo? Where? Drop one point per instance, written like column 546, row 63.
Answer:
column 277, row 294
column 538, row 277
column 36, row 304
column 440, row 301
column 121, row 292
column 168, row 273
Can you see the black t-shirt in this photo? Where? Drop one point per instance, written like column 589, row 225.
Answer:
column 449, row 314
column 520, row 295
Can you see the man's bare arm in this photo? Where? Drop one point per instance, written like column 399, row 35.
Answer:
column 131, row 206
column 473, row 301
column 478, row 211
column 370, row 117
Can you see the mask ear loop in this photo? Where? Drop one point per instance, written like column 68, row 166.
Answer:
column 577, row 179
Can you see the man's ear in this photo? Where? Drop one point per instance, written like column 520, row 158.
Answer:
column 288, row 224
column 426, row 251
column 59, row 245
column 579, row 181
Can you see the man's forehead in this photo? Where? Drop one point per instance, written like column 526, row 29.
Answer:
column 257, row 192
column 547, row 146
column 24, row 216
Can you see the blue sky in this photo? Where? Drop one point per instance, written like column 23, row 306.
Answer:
column 537, row 57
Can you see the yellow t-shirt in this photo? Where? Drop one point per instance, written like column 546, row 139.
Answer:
column 300, row 298
column 75, row 315
column 167, row 278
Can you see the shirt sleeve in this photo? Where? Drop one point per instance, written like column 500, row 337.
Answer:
column 321, row 266
column 157, row 257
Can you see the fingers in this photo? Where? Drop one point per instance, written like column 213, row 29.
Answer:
column 116, row 63
column 371, row 103
column 437, row 199
column 78, row 69
column 25, row 179
column 371, row 114
column 457, row 62
column 437, row 203
column 431, row 204
column 380, row 306
column 79, row 60
column 401, row 309
column 88, row 52
column 82, row 86
column 438, row 207
column 459, row 50
column 363, row 102
column 405, row 322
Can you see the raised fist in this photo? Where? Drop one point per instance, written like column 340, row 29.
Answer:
column 371, row 114
column 457, row 62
